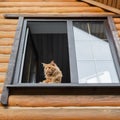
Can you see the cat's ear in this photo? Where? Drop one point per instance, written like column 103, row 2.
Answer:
column 52, row 63
column 43, row 64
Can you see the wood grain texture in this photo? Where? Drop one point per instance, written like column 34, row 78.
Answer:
column 60, row 15
column 112, row 3
column 7, row 34
column 8, row 22
column 1, row 88
column 49, row 9
column 61, row 100
column 2, row 78
column 1, row 16
column 116, row 20
column 60, row 114
column 6, row 41
column 117, row 26
column 5, row 50
column 119, row 33
column 44, row 4
column 7, row 27
column 4, row 58
column 100, row 5
column 37, row 0
column 3, row 67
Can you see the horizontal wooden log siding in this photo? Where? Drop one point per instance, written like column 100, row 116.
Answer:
column 8, row 22
column 116, row 20
column 44, row 4
column 53, row 103
column 61, row 100
column 7, row 34
column 7, row 28
column 1, row 87
column 2, row 77
column 117, row 24
column 101, row 5
column 49, row 9
column 119, row 33
column 60, row 114
column 4, row 58
column 113, row 3
column 3, row 67
column 6, row 41
column 37, row 0
column 5, row 50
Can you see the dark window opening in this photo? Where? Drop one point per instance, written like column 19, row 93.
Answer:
column 46, row 41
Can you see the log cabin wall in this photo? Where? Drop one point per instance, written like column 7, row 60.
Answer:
column 57, row 107
column 117, row 24
column 112, row 3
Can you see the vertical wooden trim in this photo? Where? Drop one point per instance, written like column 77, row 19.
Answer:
column 9, row 77
column 72, row 53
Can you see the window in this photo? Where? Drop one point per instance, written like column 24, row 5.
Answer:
column 83, row 48
column 45, row 41
column 94, row 57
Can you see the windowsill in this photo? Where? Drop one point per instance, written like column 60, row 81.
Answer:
column 63, row 89
column 81, row 85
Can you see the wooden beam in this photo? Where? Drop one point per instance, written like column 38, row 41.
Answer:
column 61, row 100
column 103, row 6
column 37, row 0
column 72, row 113
column 49, row 9
column 44, row 4
column 59, row 15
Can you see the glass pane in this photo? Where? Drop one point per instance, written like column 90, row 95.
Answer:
column 101, row 50
column 94, row 59
column 86, row 72
column 97, row 29
column 106, row 72
column 79, row 34
column 82, row 52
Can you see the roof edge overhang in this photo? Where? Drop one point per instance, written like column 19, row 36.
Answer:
column 103, row 6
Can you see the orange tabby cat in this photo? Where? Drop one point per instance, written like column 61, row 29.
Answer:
column 52, row 73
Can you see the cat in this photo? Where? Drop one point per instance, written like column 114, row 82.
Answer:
column 52, row 73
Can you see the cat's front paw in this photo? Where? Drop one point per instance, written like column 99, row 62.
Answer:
column 47, row 81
